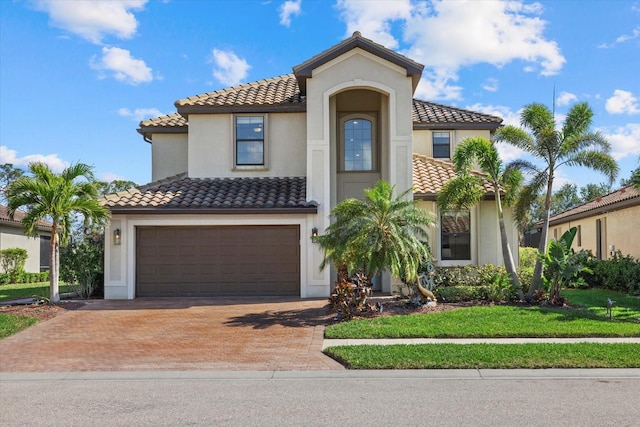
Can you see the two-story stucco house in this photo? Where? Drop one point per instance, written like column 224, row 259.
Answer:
column 243, row 176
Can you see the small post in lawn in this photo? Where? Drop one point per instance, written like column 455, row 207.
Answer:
column 609, row 307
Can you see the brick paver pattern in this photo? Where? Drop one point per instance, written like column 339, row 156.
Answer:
column 175, row 334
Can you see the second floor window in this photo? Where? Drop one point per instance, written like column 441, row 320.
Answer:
column 441, row 145
column 358, row 145
column 250, row 146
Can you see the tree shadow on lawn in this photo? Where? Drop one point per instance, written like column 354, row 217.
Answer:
column 577, row 312
column 308, row 317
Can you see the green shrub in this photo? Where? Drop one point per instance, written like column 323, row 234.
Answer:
column 12, row 261
column 470, row 275
column 6, row 278
column 82, row 265
column 619, row 273
column 525, row 274
column 460, row 293
column 528, row 257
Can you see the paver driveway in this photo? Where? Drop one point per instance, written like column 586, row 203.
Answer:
column 175, row 334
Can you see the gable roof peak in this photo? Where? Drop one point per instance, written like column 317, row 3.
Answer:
column 305, row 70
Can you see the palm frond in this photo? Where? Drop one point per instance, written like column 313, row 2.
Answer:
column 578, row 120
column 537, row 118
column 516, row 137
column 596, row 160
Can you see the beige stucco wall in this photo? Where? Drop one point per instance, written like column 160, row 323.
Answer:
column 620, row 228
column 211, row 145
column 11, row 237
column 168, row 155
column 423, row 140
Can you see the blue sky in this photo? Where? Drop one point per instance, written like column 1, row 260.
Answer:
column 76, row 77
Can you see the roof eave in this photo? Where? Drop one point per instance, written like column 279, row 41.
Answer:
column 635, row 201
column 214, row 109
column 210, row 211
column 456, row 126
column 18, row 224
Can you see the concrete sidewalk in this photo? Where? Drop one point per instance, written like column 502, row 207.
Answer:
column 452, row 374
column 393, row 341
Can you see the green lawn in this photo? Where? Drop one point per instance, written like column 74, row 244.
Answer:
column 28, row 290
column 10, row 324
column 587, row 318
column 488, row 356
column 505, row 321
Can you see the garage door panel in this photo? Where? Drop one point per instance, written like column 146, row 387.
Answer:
column 220, row 260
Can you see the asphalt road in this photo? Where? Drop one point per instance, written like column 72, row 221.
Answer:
column 323, row 398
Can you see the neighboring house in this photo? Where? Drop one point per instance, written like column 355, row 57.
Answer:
column 12, row 236
column 605, row 224
column 242, row 178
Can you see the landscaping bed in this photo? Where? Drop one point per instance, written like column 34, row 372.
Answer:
column 41, row 311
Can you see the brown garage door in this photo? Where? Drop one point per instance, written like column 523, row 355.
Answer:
column 221, row 260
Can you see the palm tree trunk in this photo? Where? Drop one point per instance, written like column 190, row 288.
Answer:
column 536, row 282
column 54, row 263
column 509, row 264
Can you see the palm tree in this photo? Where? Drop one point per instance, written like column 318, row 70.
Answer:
column 466, row 189
column 573, row 145
column 57, row 198
column 380, row 232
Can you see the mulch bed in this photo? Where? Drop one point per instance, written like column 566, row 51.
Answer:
column 41, row 311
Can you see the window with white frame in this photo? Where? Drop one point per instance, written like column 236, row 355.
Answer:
column 455, row 235
column 441, row 145
column 250, row 143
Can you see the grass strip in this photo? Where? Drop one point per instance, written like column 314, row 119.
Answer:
column 10, row 324
column 491, row 322
column 28, row 290
column 487, row 356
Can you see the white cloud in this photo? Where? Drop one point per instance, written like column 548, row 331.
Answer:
column 490, row 85
column 140, row 114
column 635, row 33
column 8, row 155
column 228, row 68
column 448, row 35
column 436, row 82
column 509, row 117
column 625, row 140
column 93, row 20
column 110, row 176
column 565, row 98
column 122, row 66
column 289, row 8
column 373, row 19
column 622, row 102
column 559, row 179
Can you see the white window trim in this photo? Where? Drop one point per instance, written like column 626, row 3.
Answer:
column 234, row 148
column 474, row 242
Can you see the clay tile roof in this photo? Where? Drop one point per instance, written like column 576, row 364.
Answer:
column 283, row 94
column 18, row 216
column 430, row 113
column 221, row 195
column 430, row 175
column 626, row 196
column 281, row 91
column 170, row 120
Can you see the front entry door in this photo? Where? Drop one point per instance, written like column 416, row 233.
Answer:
column 358, row 155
